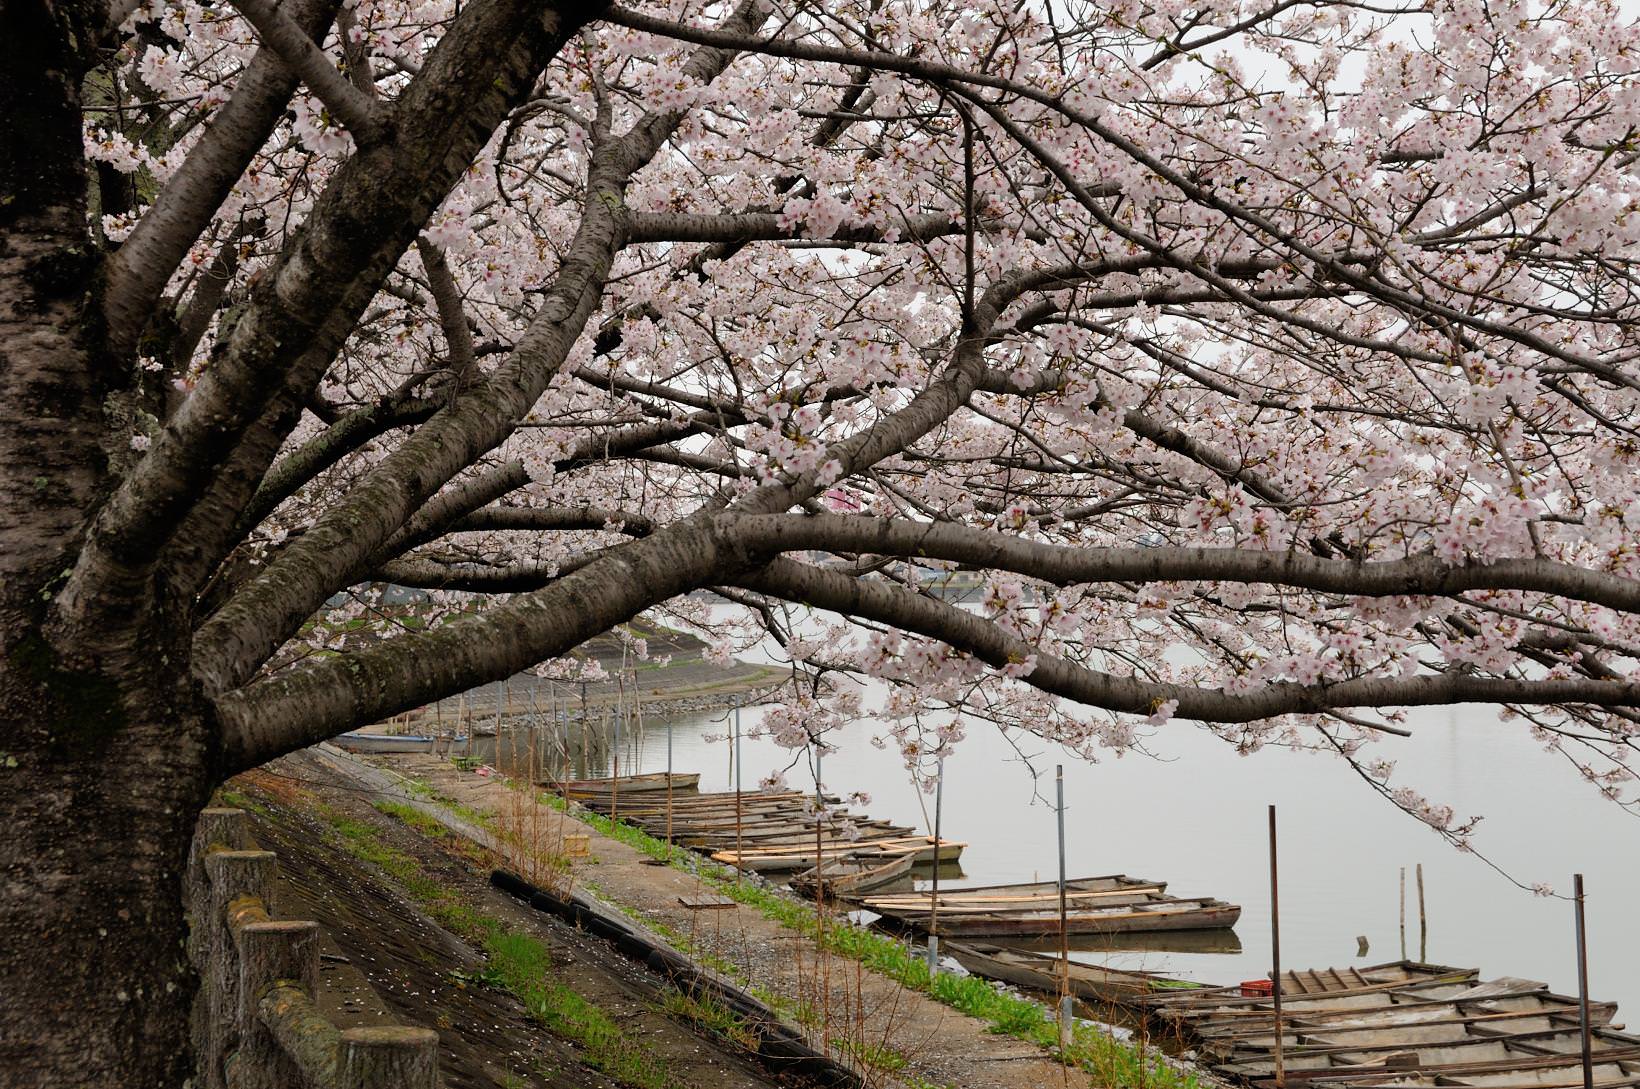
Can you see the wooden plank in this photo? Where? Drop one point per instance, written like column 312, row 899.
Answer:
column 706, row 902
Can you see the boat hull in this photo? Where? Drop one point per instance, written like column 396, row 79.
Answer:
column 635, row 784
column 1093, row 984
column 1047, row 924
column 844, row 886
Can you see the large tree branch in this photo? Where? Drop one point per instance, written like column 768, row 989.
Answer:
column 477, row 578
column 1064, row 565
column 350, row 431
column 887, row 603
column 587, row 516
column 361, row 113
column 321, row 698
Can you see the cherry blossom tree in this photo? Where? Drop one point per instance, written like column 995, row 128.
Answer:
column 1270, row 366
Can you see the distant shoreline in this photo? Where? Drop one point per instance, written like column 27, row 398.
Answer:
column 686, row 684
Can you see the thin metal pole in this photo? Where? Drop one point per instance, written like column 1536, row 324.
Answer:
column 1275, row 949
column 1064, row 925
column 615, row 783
column 1583, row 984
column 739, row 861
column 934, row 901
column 668, row 782
column 819, row 860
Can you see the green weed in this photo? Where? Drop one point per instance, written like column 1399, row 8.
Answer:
column 521, row 965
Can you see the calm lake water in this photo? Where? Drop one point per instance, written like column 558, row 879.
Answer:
column 1194, row 815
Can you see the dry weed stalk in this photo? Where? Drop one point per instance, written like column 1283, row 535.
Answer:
column 532, row 835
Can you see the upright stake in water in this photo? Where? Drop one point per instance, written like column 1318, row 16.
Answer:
column 668, row 783
column 1403, row 913
column 740, row 861
column 1065, row 999
column 1275, row 949
column 934, row 901
column 1423, row 920
column 1583, row 984
column 615, row 782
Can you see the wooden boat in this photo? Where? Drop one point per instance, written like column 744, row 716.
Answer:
column 1092, row 983
column 1169, row 915
column 1033, row 892
column 1300, row 986
column 362, row 742
column 847, row 878
column 1508, row 1061
column 803, row 837
column 625, row 784
column 1114, row 903
column 787, row 859
column 1402, row 1025
column 719, row 801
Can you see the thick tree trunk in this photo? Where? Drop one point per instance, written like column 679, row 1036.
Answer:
column 104, row 758
column 104, row 771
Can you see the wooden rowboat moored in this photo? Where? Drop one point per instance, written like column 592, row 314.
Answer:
column 846, row 878
column 626, row 784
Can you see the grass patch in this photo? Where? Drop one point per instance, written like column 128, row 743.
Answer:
column 520, row 965
column 444, row 905
column 713, row 1016
column 435, row 830
column 880, row 1057
column 233, row 799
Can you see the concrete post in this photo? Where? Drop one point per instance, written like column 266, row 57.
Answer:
column 236, row 879
column 224, row 828
column 388, row 1057
column 271, row 953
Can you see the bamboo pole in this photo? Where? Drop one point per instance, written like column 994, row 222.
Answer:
column 1275, row 951
column 1423, row 922
column 1583, row 984
column 586, row 734
column 1403, row 913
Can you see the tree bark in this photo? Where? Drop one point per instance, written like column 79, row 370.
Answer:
column 106, row 753
column 107, row 759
